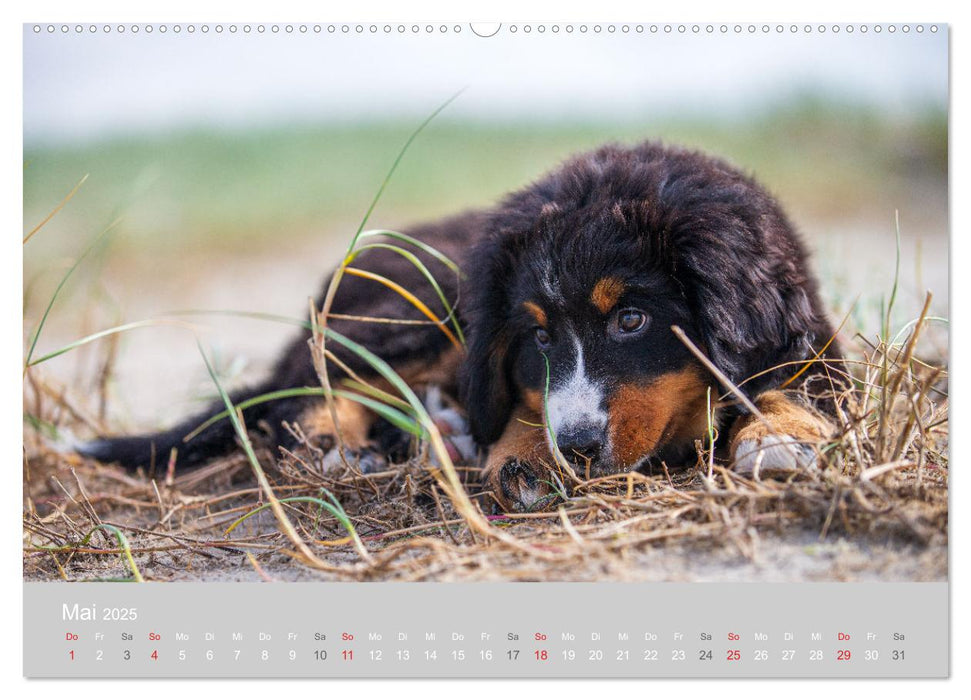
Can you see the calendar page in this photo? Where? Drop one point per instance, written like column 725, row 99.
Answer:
column 534, row 350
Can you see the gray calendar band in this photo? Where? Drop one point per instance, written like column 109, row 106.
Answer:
column 486, row 630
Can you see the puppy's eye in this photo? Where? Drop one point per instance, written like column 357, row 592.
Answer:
column 629, row 321
column 542, row 338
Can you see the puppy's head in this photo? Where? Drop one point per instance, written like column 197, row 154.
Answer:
column 574, row 294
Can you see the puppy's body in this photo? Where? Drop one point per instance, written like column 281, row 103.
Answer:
column 418, row 351
column 576, row 281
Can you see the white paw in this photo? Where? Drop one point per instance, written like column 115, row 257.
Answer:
column 773, row 453
column 367, row 461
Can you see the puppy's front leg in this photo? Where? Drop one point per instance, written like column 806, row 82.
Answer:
column 785, row 441
column 517, row 467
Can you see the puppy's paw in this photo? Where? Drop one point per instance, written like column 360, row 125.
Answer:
column 782, row 441
column 771, row 455
column 368, row 461
column 519, row 487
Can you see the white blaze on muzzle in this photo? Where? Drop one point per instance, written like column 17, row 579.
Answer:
column 578, row 401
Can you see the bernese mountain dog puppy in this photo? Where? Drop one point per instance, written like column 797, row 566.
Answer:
column 571, row 289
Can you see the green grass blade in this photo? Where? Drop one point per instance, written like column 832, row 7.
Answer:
column 333, row 499
column 384, row 369
column 278, row 511
column 164, row 322
column 42, row 426
column 389, row 413
column 394, row 166
column 338, row 512
column 231, row 413
column 380, row 395
column 102, row 334
column 426, row 273
column 407, row 294
column 122, row 542
column 256, row 315
column 896, row 273
column 885, row 358
column 421, row 245
column 338, row 275
column 60, row 286
column 56, row 209
column 256, row 400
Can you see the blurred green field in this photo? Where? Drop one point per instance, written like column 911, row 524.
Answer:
column 826, row 161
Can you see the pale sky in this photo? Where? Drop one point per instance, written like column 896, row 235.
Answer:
column 79, row 86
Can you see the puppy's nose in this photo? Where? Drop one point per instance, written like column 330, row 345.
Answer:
column 582, row 441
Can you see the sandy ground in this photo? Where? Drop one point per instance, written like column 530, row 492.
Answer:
column 797, row 557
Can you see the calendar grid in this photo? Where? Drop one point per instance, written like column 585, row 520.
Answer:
column 486, row 630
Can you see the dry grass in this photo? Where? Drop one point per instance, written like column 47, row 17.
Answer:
column 883, row 481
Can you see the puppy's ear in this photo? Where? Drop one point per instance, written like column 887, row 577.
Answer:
column 486, row 384
column 750, row 301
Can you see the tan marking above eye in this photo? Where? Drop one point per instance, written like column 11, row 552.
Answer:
column 534, row 310
column 606, row 293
